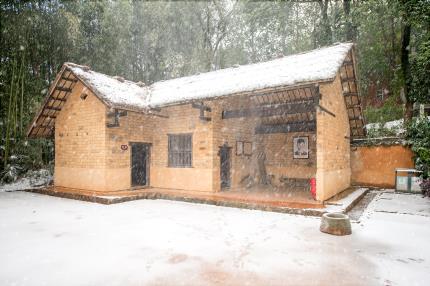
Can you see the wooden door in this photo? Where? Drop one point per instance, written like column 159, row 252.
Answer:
column 139, row 164
column 225, row 163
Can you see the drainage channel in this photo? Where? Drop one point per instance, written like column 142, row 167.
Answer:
column 357, row 211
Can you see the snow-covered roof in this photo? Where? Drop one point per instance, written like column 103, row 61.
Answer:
column 317, row 65
column 114, row 90
column 314, row 66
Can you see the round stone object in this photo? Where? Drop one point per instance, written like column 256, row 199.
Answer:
column 335, row 223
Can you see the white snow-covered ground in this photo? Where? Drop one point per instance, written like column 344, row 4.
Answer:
column 52, row 241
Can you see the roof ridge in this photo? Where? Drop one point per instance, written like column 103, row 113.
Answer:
column 88, row 68
column 256, row 63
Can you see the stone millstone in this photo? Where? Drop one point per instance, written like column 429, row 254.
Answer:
column 336, row 224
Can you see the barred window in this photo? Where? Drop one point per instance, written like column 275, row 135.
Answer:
column 180, row 150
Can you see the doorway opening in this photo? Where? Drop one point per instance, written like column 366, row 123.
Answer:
column 225, row 163
column 140, row 154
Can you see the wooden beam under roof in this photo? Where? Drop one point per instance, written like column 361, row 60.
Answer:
column 352, row 97
column 348, row 79
column 271, row 110
column 47, row 115
column 201, row 106
column 65, row 89
column 69, row 79
column 202, row 109
column 350, row 93
column 46, row 126
column 56, row 108
column 305, row 126
column 57, row 98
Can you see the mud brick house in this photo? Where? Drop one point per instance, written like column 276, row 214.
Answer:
column 286, row 123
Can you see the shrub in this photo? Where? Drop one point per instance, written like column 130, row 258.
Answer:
column 418, row 135
column 390, row 111
column 425, row 187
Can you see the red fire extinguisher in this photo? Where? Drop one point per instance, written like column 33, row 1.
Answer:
column 313, row 183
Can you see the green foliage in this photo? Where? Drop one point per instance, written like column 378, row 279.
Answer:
column 415, row 15
column 378, row 24
column 420, row 68
column 388, row 112
column 418, row 135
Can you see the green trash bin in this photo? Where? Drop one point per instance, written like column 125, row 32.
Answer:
column 408, row 180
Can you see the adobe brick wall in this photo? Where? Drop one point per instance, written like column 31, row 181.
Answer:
column 375, row 165
column 182, row 119
column 278, row 148
column 136, row 127
column 280, row 161
column 228, row 131
column 80, row 156
column 333, row 143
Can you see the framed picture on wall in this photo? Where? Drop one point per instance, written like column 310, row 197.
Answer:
column 247, row 148
column 239, row 148
column 301, row 147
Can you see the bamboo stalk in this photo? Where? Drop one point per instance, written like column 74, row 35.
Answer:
column 15, row 103
column 9, row 115
column 22, row 95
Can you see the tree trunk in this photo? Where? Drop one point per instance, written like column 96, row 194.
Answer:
column 409, row 108
column 324, row 36
column 349, row 33
column 406, row 71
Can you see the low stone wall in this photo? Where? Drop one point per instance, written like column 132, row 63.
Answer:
column 374, row 165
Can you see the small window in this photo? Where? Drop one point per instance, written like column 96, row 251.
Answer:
column 180, row 150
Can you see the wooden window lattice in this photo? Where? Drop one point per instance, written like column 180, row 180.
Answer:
column 180, row 149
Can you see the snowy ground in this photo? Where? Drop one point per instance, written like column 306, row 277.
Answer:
column 52, row 241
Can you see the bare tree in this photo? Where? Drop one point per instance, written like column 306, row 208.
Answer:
column 214, row 21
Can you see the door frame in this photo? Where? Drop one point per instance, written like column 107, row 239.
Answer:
column 229, row 152
column 148, row 164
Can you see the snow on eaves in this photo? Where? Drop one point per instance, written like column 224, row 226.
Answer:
column 317, row 65
column 115, row 91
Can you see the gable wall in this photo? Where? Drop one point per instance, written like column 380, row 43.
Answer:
column 333, row 143
column 80, row 142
